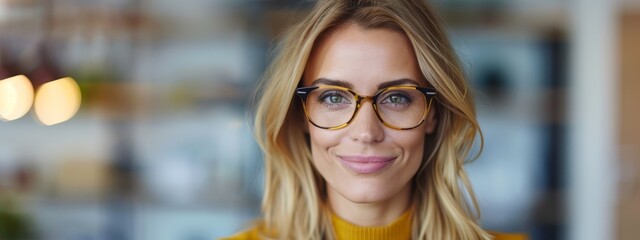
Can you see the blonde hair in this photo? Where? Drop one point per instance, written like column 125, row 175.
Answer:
column 294, row 199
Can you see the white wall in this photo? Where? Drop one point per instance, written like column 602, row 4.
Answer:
column 592, row 120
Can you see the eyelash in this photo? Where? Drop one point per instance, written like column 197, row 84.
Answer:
column 323, row 97
column 405, row 97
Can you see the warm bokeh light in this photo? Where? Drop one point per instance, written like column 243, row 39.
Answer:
column 57, row 101
column 16, row 97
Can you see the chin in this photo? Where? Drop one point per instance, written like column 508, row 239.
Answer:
column 365, row 192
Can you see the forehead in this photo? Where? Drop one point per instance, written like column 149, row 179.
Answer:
column 363, row 57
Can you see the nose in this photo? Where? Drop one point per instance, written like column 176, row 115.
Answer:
column 366, row 127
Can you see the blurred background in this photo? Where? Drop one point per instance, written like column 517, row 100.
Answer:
column 160, row 147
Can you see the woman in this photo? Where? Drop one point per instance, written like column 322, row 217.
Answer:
column 365, row 119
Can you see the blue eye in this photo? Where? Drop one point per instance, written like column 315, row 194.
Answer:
column 334, row 97
column 397, row 98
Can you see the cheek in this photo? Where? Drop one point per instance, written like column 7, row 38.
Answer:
column 321, row 143
column 412, row 144
column 322, row 139
column 411, row 141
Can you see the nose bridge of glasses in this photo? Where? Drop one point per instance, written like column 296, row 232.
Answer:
column 361, row 99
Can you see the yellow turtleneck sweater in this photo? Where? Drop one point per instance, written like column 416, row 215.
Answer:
column 399, row 229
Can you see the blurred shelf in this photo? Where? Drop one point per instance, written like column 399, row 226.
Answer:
column 534, row 19
column 135, row 100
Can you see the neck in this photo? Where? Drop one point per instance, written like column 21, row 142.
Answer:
column 368, row 214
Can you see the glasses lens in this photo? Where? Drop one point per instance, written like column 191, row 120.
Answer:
column 402, row 107
column 330, row 107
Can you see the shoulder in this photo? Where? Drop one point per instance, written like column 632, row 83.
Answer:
column 508, row 236
column 252, row 233
column 249, row 234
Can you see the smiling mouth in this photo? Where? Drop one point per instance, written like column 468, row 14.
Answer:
column 366, row 164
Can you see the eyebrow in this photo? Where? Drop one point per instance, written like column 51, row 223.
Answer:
column 346, row 84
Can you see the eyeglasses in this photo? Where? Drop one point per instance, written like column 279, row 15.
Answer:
column 397, row 107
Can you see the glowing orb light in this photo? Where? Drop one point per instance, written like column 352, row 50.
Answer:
column 57, row 101
column 16, row 97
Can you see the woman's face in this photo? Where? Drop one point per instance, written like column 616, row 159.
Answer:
column 366, row 162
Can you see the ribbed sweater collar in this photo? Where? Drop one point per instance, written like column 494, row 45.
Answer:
column 398, row 229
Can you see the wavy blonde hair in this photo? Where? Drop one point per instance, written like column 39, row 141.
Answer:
column 294, row 204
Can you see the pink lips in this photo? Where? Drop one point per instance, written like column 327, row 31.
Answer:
column 366, row 164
